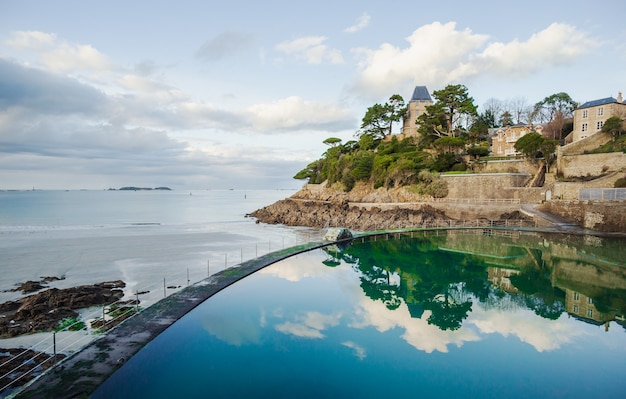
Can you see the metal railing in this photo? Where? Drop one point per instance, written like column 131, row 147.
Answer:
column 602, row 194
column 489, row 201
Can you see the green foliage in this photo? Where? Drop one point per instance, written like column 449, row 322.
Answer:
column 449, row 144
column 442, row 162
column 363, row 165
column 444, row 117
column 506, row 119
column 432, row 184
column 620, row 183
column 332, row 141
column 70, row 324
column 614, row 126
column 529, row 144
column 478, row 151
column 379, row 118
column 618, row 144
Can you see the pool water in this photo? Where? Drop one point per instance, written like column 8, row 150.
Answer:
column 478, row 314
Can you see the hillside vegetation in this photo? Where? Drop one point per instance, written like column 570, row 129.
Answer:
column 452, row 135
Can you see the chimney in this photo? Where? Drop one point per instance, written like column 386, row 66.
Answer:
column 619, row 97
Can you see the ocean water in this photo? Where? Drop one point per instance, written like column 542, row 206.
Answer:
column 145, row 238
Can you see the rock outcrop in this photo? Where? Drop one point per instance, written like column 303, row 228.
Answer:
column 44, row 310
column 320, row 214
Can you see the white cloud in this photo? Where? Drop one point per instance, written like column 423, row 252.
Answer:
column 439, row 54
column 359, row 351
column 312, row 49
column 527, row 326
column 556, row 45
column 417, row 332
column 57, row 55
column 362, row 23
column 30, row 40
column 295, row 113
column 309, row 325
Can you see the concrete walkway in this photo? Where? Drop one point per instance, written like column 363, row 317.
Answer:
column 79, row 375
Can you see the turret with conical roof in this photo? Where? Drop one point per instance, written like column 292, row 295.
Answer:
column 416, row 107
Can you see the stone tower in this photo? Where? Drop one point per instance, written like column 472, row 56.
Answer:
column 416, row 107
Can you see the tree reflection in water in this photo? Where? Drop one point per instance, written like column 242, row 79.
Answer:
column 445, row 273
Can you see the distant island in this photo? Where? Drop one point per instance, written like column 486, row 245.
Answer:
column 142, row 188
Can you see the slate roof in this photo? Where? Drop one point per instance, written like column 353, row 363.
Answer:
column 595, row 103
column 421, row 94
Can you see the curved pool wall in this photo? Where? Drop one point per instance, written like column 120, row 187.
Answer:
column 84, row 371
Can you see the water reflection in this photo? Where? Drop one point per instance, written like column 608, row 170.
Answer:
column 464, row 314
column 447, row 274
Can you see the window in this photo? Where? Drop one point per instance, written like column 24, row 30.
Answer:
column 599, row 125
column 575, row 308
column 589, row 300
column 600, row 111
column 576, row 296
column 589, row 312
column 584, row 127
column 585, row 113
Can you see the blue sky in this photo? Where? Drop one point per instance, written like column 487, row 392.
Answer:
column 201, row 94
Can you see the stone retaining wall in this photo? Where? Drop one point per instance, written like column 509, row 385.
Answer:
column 590, row 164
column 485, row 185
column 601, row 216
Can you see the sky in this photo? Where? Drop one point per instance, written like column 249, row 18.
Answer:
column 198, row 94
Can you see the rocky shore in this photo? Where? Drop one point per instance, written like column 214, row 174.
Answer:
column 44, row 310
column 320, row 214
column 366, row 209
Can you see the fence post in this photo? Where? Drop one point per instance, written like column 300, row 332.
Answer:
column 208, row 268
column 187, row 277
column 225, row 261
column 137, row 303
column 164, row 291
column 54, row 345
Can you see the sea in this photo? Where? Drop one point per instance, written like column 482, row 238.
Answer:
column 153, row 240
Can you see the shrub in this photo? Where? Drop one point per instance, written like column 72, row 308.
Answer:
column 71, row 324
column 620, row 183
column 459, row 167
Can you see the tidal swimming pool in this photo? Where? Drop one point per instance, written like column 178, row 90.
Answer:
column 478, row 314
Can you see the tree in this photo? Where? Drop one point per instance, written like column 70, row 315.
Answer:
column 614, row 126
column 478, row 152
column 554, row 110
column 396, row 109
column 519, row 109
column 332, row 141
column 532, row 143
column 452, row 106
column 492, row 109
column 449, row 143
column 506, row 119
column 529, row 144
column 379, row 118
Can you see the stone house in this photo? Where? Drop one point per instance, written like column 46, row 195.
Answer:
column 590, row 116
column 503, row 142
column 416, row 107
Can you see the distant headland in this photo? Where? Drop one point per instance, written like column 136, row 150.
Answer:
column 131, row 188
